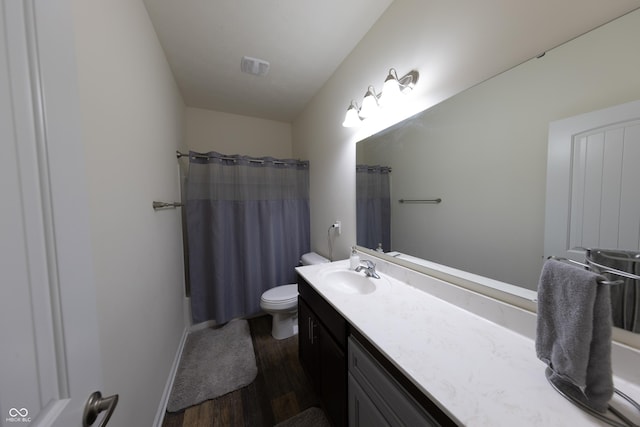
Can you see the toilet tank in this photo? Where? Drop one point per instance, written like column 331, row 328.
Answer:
column 312, row 258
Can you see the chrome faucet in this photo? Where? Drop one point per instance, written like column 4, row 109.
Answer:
column 369, row 268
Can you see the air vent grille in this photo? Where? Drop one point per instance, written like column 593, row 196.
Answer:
column 257, row 67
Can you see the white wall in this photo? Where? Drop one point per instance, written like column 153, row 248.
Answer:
column 408, row 36
column 484, row 151
column 226, row 133
column 132, row 123
column 405, row 38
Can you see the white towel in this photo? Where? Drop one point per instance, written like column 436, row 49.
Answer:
column 573, row 334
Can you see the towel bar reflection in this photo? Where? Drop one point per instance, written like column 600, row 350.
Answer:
column 610, row 254
column 166, row 205
column 607, row 270
column 433, row 201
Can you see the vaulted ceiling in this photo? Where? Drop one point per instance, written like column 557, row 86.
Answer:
column 305, row 42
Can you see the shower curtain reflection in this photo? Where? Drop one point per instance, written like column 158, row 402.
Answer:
column 625, row 298
column 373, row 206
column 248, row 225
column 183, row 170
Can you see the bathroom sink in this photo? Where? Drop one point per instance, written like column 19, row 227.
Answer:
column 350, row 282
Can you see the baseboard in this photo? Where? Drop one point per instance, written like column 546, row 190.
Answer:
column 162, row 408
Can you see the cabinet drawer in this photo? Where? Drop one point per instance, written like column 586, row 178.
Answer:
column 330, row 318
column 391, row 400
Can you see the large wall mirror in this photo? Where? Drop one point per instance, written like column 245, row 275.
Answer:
column 483, row 152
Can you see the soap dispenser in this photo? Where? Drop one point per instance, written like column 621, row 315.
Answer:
column 354, row 259
column 379, row 248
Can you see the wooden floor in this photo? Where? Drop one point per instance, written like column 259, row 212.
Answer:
column 280, row 390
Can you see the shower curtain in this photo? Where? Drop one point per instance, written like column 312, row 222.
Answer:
column 373, row 206
column 247, row 225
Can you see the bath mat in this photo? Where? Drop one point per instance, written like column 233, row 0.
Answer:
column 214, row 362
column 312, row 417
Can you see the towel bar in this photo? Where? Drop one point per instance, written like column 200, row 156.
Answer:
column 605, row 269
column 574, row 398
column 434, row 201
column 588, row 267
column 166, row 205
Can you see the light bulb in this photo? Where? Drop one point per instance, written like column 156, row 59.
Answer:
column 390, row 91
column 351, row 119
column 369, row 103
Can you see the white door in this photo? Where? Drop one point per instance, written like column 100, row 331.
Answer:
column 593, row 182
column 49, row 346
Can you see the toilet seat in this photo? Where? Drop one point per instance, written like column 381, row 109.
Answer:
column 280, row 298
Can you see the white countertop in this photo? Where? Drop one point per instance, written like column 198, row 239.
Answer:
column 479, row 372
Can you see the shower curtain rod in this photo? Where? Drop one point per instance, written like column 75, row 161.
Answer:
column 205, row 157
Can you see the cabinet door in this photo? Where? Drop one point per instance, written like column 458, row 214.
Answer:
column 308, row 343
column 385, row 393
column 333, row 381
column 362, row 411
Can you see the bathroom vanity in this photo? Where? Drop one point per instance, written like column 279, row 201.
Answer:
column 409, row 349
column 357, row 385
column 349, row 374
column 379, row 394
column 322, row 349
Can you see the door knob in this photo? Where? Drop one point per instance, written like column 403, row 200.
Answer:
column 96, row 404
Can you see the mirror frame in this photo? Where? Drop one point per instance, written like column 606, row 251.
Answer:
column 517, row 296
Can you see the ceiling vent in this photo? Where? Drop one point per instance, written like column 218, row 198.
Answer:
column 257, row 67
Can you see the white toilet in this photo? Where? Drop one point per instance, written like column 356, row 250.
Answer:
column 282, row 302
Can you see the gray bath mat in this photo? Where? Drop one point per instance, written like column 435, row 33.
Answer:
column 214, row 362
column 312, row 417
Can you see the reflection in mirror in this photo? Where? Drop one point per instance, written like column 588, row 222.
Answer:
column 373, row 210
column 484, row 153
column 622, row 268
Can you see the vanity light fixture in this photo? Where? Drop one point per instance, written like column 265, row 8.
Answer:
column 352, row 119
column 391, row 87
column 392, row 91
column 369, row 103
column 394, row 87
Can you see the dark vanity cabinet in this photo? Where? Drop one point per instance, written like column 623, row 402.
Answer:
column 357, row 385
column 380, row 395
column 376, row 398
column 323, row 351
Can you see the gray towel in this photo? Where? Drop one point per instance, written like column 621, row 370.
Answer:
column 573, row 334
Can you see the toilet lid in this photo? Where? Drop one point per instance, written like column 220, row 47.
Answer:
column 280, row 294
